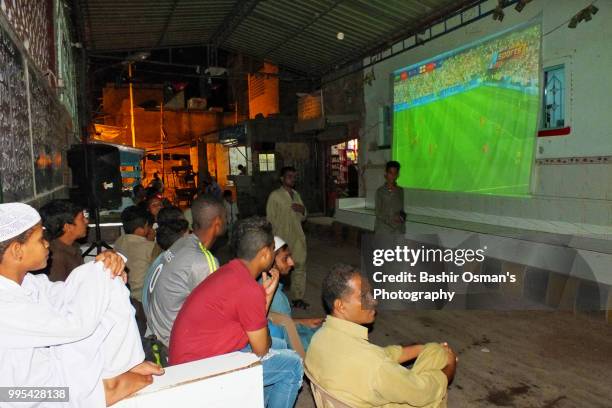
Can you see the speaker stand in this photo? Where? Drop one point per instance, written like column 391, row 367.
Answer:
column 98, row 243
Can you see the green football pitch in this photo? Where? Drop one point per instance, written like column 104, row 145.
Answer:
column 479, row 141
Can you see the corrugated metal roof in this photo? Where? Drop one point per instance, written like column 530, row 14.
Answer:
column 300, row 34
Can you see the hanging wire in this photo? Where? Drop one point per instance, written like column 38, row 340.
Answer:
column 568, row 20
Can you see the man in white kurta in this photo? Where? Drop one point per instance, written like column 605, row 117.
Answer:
column 69, row 334
column 286, row 212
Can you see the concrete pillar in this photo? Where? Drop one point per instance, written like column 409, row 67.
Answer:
column 561, row 291
column 338, row 232
column 474, row 267
column 609, row 306
column 353, row 236
column 514, row 290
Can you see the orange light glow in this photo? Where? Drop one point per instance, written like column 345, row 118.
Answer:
column 263, row 92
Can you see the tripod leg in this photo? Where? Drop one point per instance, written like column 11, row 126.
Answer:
column 89, row 250
column 98, row 244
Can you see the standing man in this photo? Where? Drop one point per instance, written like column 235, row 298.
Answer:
column 157, row 184
column 231, row 210
column 286, row 212
column 390, row 215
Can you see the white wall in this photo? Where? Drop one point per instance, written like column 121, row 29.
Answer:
column 567, row 198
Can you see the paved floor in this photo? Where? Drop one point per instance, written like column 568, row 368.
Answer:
column 507, row 359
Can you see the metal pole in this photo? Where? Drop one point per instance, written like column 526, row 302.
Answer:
column 161, row 140
column 132, row 105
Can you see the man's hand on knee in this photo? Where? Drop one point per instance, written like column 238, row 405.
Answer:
column 114, row 263
column 451, row 365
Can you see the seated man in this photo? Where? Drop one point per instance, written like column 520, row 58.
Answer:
column 80, row 334
column 172, row 226
column 64, row 223
column 341, row 359
column 227, row 312
column 153, row 204
column 138, row 245
column 211, row 187
column 299, row 331
column 184, row 266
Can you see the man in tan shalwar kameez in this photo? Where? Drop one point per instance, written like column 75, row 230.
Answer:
column 286, row 212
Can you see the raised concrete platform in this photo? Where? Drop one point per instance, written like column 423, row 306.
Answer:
column 574, row 261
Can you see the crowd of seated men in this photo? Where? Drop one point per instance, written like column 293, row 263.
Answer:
column 162, row 284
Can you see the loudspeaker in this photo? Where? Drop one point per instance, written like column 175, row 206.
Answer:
column 96, row 175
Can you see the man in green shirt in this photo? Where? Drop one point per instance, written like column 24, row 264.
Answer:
column 362, row 374
column 390, row 215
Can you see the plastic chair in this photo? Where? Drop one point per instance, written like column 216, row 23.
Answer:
column 322, row 398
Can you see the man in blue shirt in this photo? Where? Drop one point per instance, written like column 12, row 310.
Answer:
column 299, row 331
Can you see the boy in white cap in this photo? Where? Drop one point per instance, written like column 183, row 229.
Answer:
column 80, row 334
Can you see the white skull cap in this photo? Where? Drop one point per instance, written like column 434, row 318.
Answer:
column 278, row 243
column 15, row 219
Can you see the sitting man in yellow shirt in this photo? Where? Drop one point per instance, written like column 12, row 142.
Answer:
column 362, row 374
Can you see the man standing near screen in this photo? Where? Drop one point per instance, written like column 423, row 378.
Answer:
column 390, row 215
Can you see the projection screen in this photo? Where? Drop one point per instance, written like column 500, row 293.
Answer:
column 466, row 120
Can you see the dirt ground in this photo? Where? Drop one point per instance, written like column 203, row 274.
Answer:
column 534, row 359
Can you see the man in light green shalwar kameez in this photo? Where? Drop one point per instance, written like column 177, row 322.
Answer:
column 286, row 212
column 390, row 215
